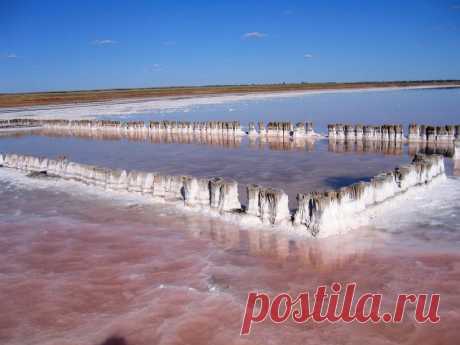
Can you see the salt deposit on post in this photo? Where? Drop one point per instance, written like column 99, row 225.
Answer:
column 331, row 212
column 364, row 132
column 268, row 204
column 393, row 133
column 424, row 133
column 225, row 128
column 318, row 214
column 457, row 150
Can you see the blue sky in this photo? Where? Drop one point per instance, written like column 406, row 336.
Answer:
column 69, row 45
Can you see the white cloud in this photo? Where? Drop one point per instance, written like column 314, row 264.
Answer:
column 308, row 56
column 11, row 56
column 254, row 34
column 156, row 67
column 103, row 42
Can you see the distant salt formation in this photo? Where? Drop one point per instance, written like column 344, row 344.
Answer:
column 228, row 128
column 19, row 123
column 433, row 133
column 362, row 132
column 319, row 214
column 180, row 127
column 283, row 129
column 393, row 133
column 272, row 129
column 301, row 130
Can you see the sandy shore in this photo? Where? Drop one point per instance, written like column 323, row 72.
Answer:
column 147, row 105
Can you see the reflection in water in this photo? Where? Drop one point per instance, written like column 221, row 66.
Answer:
column 227, row 141
column 295, row 166
column 81, row 268
column 366, row 146
column 120, row 270
column 447, row 149
column 274, row 143
column 319, row 254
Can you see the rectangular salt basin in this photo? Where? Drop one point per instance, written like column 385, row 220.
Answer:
column 101, row 266
column 295, row 168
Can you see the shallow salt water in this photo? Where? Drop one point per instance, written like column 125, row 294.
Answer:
column 431, row 106
column 299, row 169
column 78, row 266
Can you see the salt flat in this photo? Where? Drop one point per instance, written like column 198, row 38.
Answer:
column 168, row 104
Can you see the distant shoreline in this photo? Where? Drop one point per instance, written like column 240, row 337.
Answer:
column 145, row 105
column 11, row 100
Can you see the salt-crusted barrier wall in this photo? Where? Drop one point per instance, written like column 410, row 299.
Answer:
column 282, row 129
column 272, row 129
column 216, row 194
column 339, row 132
column 320, row 214
column 210, row 127
column 18, row 123
column 391, row 133
column 328, row 213
column 433, row 133
column 363, row 132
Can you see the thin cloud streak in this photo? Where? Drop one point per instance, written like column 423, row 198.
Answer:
column 254, row 34
column 103, row 42
column 308, row 56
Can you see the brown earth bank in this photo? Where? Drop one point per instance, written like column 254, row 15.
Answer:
column 84, row 96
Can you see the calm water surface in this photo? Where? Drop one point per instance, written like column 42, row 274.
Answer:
column 78, row 266
column 431, row 106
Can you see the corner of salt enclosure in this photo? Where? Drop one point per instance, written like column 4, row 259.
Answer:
column 323, row 214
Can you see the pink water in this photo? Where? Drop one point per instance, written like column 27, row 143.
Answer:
column 80, row 266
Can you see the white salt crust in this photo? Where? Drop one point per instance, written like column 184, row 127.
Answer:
column 317, row 214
